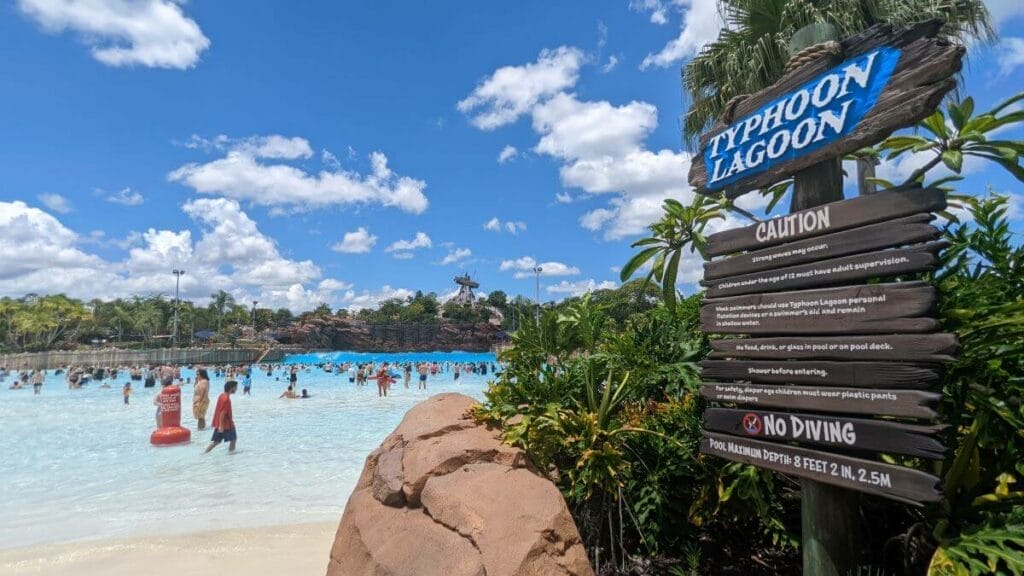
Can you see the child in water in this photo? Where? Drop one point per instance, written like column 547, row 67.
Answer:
column 127, row 391
column 223, row 420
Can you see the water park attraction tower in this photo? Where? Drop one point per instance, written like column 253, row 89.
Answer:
column 466, row 286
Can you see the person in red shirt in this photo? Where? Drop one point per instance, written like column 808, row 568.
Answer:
column 223, row 421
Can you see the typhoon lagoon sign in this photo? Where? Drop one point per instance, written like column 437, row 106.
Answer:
column 813, row 116
column 885, row 78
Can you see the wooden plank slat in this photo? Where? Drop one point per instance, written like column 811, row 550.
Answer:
column 908, row 347
column 828, row 218
column 913, row 88
column 899, row 232
column 867, row 309
column 831, row 431
column 895, row 482
column 824, row 373
column 896, row 403
column 834, row 272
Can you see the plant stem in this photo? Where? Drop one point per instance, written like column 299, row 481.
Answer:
column 920, row 172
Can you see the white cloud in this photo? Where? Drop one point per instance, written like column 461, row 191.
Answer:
column 275, row 146
column 700, row 24
column 359, row 241
column 511, row 226
column 563, row 198
column 1011, row 54
column 507, row 153
column 601, row 147
column 402, row 247
column 366, row 299
column 580, row 287
column 512, row 91
column 523, row 268
column 241, row 175
column 572, row 129
column 456, row 255
column 610, row 65
column 152, row 33
column 39, row 254
column 32, row 241
column 657, row 8
column 126, row 197
column 55, row 202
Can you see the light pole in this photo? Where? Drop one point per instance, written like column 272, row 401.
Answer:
column 254, row 303
column 177, row 304
column 537, row 270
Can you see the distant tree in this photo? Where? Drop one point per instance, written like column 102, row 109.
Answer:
column 322, row 310
column 498, row 299
column 282, row 316
column 220, row 302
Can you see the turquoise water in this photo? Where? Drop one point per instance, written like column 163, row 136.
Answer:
column 77, row 464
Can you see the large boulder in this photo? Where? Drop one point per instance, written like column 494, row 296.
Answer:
column 442, row 496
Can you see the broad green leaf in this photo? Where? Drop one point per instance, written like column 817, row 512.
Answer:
column 638, row 260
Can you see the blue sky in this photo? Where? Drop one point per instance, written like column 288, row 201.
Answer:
column 343, row 152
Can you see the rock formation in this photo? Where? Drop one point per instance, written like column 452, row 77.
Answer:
column 442, row 496
column 334, row 333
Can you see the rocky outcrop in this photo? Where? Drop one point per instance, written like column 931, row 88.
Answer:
column 442, row 496
column 334, row 333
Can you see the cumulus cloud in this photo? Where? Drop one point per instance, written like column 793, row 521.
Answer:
column 511, row 226
column 151, row 33
column 359, row 241
column 371, row 299
column 126, row 197
column 580, row 287
column 421, row 240
column 601, row 147
column 227, row 251
column 512, row 91
column 456, row 255
column 523, row 268
column 55, row 202
column 244, row 174
column 611, row 64
column 507, row 153
column 700, row 23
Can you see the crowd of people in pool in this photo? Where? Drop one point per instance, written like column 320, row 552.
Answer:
column 385, row 375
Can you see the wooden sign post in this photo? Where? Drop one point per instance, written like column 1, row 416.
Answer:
column 834, row 362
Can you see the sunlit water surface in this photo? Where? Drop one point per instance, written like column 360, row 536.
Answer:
column 77, row 464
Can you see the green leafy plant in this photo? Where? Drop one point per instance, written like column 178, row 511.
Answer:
column 679, row 229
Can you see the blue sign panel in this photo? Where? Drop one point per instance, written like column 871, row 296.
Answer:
column 818, row 113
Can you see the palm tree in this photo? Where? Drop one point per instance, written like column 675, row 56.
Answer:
column 220, row 301
column 752, row 50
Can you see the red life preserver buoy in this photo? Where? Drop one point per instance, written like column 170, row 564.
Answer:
column 170, row 430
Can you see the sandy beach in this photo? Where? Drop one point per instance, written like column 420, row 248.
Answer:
column 296, row 550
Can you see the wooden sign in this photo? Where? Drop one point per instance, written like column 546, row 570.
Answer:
column 834, row 431
column 889, row 78
column 845, row 270
column 824, row 373
column 828, row 218
column 895, row 482
column 869, row 309
column 907, row 347
column 899, row 232
column 896, row 403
